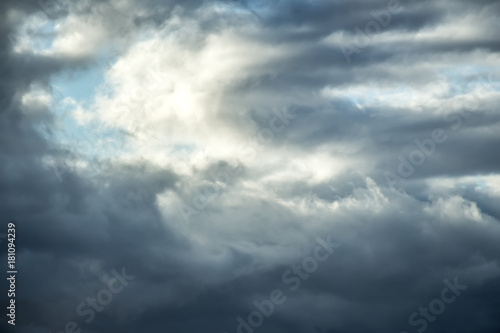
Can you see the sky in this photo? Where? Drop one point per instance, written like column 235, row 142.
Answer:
column 309, row 166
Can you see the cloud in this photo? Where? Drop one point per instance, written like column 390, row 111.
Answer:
column 204, row 146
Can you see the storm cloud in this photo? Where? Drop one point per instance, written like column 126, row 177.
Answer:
column 251, row 166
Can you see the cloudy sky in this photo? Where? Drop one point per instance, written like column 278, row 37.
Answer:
column 309, row 166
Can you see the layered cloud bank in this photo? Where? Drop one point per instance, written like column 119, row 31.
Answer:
column 252, row 166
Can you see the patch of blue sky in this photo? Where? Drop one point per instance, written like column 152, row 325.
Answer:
column 81, row 87
column 39, row 34
column 35, row 33
column 184, row 148
column 469, row 77
column 481, row 184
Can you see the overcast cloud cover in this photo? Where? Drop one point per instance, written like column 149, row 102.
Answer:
column 203, row 148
